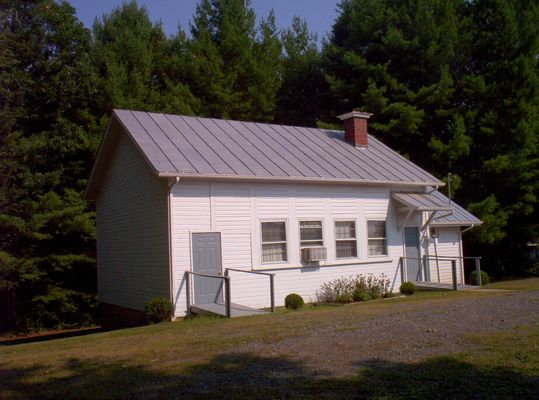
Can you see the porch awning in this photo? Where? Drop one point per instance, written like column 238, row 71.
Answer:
column 448, row 213
column 422, row 201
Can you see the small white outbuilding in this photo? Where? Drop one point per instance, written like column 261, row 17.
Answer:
column 304, row 206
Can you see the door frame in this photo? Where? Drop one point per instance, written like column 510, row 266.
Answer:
column 220, row 232
column 419, row 254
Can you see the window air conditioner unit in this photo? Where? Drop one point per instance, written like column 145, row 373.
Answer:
column 310, row 254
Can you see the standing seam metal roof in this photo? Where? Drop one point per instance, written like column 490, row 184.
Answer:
column 422, row 201
column 178, row 145
column 436, row 201
column 459, row 216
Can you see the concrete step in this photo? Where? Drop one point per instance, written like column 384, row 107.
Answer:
column 236, row 310
column 442, row 286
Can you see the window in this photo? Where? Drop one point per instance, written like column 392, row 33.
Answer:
column 377, row 238
column 273, row 242
column 345, row 238
column 310, row 233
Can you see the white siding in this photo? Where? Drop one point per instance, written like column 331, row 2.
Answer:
column 191, row 212
column 448, row 245
column 132, row 230
column 236, row 211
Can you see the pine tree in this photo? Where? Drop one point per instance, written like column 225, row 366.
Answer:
column 46, row 228
column 397, row 60
column 504, row 85
column 302, row 95
column 234, row 65
column 452, row 84
column 130, row 53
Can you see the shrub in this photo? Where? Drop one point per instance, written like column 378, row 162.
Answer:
column 344, row 298
column 325, row 294
column 408, row 288
column 361, row 294
column 342, row 289
column 293, row 301
column 158, row 309
column 485, row 279
column 375, row 292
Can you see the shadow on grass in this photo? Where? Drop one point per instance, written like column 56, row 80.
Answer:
column 245, row 376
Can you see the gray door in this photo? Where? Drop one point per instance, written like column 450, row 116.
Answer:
column 411, row 244
column 207, row 260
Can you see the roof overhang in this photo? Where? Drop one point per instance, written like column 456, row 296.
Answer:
column 420, row 202
column 443, row 212
column 295, row 179
column 459, row 223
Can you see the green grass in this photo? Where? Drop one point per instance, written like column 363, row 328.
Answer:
column 199, row 358
column 518, row 284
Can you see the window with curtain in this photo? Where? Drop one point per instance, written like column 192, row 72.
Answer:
column 310, row 233
column 377, row 242
column 274, row 242
column 345, row 239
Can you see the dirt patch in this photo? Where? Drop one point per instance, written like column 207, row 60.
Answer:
column 404, row 333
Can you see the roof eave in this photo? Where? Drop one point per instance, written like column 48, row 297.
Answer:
column 304, row 179
column 93, row 185
column 432, row 208
column 90, row 190
column 458, row 223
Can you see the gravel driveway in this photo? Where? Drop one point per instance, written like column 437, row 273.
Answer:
column 405, row 332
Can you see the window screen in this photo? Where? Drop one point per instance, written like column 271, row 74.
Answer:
column 377, row 242
column 274, row 242
column 345, row 239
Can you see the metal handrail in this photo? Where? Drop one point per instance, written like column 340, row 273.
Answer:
column 455, row 257
column 249, row 272
column 453, row 266
column 227, row 289
column 272, row 283
column 445, row 257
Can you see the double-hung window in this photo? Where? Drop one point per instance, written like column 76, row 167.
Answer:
column 274, row 242
column 377, row 242
column 345, row 239
column 310, row 233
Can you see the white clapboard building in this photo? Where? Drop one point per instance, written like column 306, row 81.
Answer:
column 221, row 199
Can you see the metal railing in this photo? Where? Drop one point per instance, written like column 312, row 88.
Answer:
column 272, row 282
column 226, row 280
column 477, row 262
column 424, row 262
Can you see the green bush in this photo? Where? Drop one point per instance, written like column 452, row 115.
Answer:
column 485, row 279
column 293, row 301
column 361, row 294
column 375, row 292
column 343, row 298
column 342, row 289
column 158, row 309
column 408, row 288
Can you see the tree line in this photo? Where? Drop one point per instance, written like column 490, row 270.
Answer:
column 453, row 85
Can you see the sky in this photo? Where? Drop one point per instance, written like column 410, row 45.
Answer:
column 319, row 14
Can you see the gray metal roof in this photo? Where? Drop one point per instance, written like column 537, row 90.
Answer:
column 422, row 201
column 460, row 215
column 436, row 201
column 177, row 145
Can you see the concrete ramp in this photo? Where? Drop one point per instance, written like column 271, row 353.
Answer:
column 236, row 310
column 442, row 286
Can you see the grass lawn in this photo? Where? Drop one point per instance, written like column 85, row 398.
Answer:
column 518, row 284
column 199, row 358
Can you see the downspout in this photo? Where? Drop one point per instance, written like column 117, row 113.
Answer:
column 170, row 261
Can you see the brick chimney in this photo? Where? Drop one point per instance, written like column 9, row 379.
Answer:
column 355, row 128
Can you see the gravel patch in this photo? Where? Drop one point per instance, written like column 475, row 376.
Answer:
column 406, row 332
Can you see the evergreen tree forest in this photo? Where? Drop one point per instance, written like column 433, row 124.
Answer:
column 452, row 84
